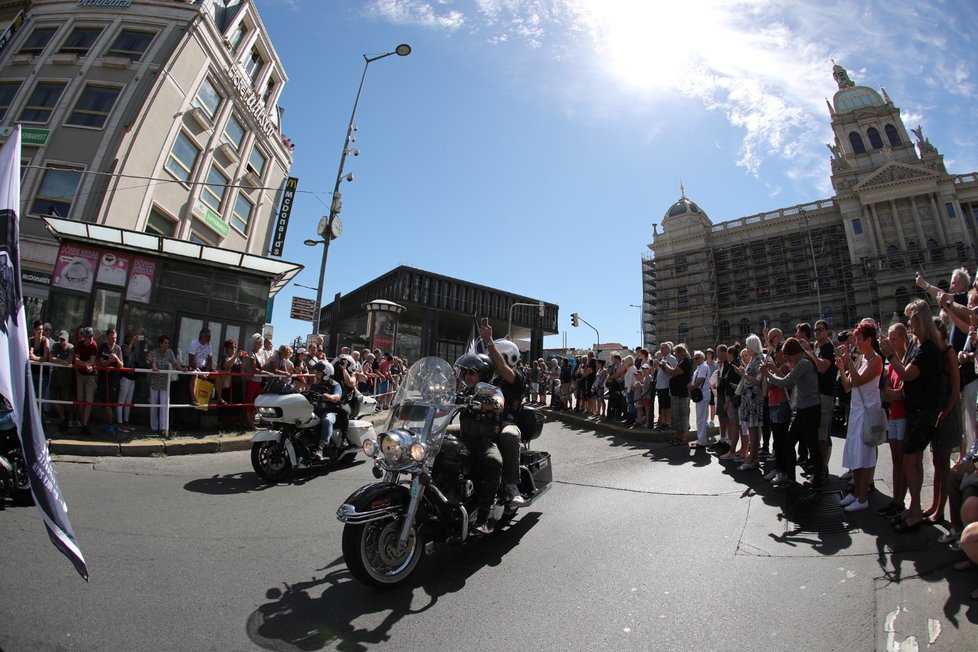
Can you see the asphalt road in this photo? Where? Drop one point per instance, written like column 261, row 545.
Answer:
column 636, row 547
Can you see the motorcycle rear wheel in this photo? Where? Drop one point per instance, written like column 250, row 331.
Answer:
column 271, row 461
column 372, row 555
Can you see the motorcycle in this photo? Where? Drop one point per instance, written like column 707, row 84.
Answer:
column 293, row 429
column 429, row 480
column 14, row 482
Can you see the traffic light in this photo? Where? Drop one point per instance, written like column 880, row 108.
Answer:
column 574, row 322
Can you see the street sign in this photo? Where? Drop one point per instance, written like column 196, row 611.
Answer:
column 303, row 309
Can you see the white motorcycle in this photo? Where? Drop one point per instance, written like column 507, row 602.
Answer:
column 293, row 430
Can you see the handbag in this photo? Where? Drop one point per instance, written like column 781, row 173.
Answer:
column 696, row 394
column 874, row 424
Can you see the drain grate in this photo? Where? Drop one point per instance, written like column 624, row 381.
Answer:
column 823, row 516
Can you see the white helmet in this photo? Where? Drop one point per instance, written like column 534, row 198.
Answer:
column 509, row 351
column 324, row 367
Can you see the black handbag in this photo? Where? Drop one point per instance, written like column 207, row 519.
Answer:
column 696, row 394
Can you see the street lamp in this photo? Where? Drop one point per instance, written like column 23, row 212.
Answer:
column 811, row 245
column 641, row 322
column 539, row 306
column 330, row 226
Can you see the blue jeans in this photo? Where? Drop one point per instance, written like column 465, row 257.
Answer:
column 326, row 427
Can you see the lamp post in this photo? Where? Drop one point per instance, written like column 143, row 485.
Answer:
column 540, row 306
column 330, row 226
column 641, row 322
column 811, row 246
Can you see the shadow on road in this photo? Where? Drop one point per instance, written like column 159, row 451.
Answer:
column 248, row 481
column 324, row 611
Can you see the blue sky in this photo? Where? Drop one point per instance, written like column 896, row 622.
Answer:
column 530, row 145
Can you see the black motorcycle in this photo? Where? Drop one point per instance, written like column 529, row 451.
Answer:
column 430, row 480
column 14, row 482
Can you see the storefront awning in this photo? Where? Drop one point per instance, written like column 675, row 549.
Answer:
column 281, row 272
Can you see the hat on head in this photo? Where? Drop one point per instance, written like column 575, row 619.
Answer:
column 63, row 335
column 256, row 337
column 300, row 350
column 87, row 331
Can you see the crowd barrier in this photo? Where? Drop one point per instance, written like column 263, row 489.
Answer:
column 107, row 384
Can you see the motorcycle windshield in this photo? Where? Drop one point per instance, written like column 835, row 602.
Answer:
column 428, row 391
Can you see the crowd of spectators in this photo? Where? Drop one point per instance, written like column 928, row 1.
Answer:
column 81, row 374
column 775, row 399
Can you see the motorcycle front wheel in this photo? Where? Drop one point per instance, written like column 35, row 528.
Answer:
column 373, row 556
column 271, row 461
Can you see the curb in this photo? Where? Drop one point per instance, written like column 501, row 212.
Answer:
column 618, row 430
column 156, row 446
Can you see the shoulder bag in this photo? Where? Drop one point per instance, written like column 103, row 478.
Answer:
column 874, row 423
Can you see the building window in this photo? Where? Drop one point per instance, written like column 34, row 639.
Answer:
column 857, row 143
column 233, row 133
column 725, row 330
column 949, row 209
column 253, row 64
column 213, row 191
column 38, row 40
column 893, row 136
column 241, row 216
column 7, row 92
column 182, row 157
column 874, row 138
column 683, row 331
column 161, row 224
column 801, row 282
column 682, row 298
column 57, row 192
column 131, row 44
column 80, row 40
column 42, row 102
column 936, row 251
column 916, row 257
column 857, row 226
column 237, row 36
column 269, row 90
column 207, row 98
column 93, row 107
column 680, row 264
column 257, row 161
column 744, row 327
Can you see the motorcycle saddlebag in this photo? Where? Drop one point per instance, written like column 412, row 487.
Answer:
column 530, row 422
column 538, row 464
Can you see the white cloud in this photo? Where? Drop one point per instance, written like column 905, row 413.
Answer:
column 416, row 12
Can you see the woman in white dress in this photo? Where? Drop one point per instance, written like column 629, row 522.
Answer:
column 863, row 384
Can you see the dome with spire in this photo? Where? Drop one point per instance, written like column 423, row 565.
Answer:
column 684, row 206
column 851, row 97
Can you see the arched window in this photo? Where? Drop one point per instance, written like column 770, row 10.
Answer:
column 857, row 143
column 936, row 251
column 915, row 256
column 901, row 297
column 725, row 330
column 874, row 138
column 744, row 327
column 892, row 135
column 893, row 257
column 962, row 251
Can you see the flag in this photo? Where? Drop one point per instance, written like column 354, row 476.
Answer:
column 15, row 378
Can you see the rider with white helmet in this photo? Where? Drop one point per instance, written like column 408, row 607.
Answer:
column 331, row 393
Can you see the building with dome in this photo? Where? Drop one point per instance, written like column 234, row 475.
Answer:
column 895, row 210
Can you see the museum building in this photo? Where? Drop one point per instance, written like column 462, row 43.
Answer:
column 895, row 210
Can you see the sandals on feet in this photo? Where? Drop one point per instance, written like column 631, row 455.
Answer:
column 903, row 527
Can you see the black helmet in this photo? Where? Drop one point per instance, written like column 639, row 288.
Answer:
column 477, row 362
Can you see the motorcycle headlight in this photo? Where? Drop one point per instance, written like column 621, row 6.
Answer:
column 269, row 412
column 369, row 448
column 418, row 452
column 396, row 446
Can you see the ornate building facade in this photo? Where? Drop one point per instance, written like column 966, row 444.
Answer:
column 896, row 210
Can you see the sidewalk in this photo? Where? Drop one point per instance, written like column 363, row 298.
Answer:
column 140, row 443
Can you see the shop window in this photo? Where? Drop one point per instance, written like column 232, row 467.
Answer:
column 893, row 136
column 233, row 133
column 257, row 162
column 241, row 216
column 80, row 41
column 67, row 312
column 214, row 190
column 7, row 92
column 93, row 107
column 42, row 102
column 131, row 44
column 182, row 157
column 207, row 99
column 38, row 40
column 856, row 141
column 161, row 223
column 105, row 312
column 874, row 138
column 57, row 192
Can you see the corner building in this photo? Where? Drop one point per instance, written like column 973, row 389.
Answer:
column 153, row 163
column 895, row 210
